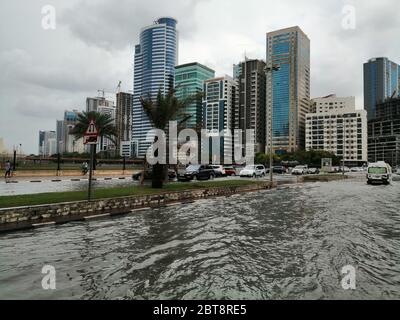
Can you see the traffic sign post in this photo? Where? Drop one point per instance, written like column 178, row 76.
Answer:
column 90, row 138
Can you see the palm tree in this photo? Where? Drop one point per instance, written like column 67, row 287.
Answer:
column 104, row 125
column 160, row 111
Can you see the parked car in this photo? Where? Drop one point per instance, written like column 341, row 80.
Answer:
column 197, row 172
column 313, row 171
column 219, row 170
column 253, row 171
column 278, row 169
column 149, row 174
column 230, row 171
column 300, row 170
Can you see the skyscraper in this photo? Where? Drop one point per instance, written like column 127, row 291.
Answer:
column 384, row 133
column 220, row 98
column 381, row 81
column 155, row 59
column 124, row 119
column 288, row 89
column 189, row 79
column 250, row 110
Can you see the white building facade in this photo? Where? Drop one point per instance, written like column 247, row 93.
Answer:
column 337, row 126
column 220, row 98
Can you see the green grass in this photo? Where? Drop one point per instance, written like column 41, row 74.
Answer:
column 58, row 197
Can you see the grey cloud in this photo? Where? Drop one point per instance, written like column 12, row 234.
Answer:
column 114, row 25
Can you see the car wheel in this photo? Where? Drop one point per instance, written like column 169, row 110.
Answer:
column 254, row 176
column 195, row 178
column 212, row 177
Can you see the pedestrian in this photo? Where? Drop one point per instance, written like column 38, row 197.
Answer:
column 84, row 168
column 7, row 169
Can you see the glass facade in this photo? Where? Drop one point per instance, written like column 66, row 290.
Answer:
column 288, row 89
column 154, row 69
column 189, row 79
column 381, row 81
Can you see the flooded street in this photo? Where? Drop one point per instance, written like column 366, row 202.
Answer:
column 288, row 243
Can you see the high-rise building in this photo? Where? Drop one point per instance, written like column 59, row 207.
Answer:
column 384, row 133
column 124, row 122
column 65, row 140
column 250, row 110
column 154, row 69
column 337, row 126
column 220, row 98
column 189, row 79
column 47, row 143
column 288, row 89
column 93, row 104
column 381, row 81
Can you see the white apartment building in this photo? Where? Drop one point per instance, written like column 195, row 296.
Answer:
column 337, row 126
column 220, row 97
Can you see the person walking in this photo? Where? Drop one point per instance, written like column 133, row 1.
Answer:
column 8, row 170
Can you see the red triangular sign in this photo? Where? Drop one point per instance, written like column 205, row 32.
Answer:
column 91, row 130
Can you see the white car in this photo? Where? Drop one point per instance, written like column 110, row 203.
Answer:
column 253, row 171
column 219, row 170
column 300, row 170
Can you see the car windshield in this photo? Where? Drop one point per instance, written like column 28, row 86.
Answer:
column 377, row 170
column 193, row 168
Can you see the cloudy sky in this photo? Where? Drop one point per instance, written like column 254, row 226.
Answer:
column 43, row 72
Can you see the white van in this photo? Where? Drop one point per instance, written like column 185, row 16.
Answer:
column 379, row 172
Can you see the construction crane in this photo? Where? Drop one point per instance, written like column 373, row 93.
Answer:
column 119, row 87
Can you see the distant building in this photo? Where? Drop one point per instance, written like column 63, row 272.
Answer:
column 384, row 133
column 220, row 97
column 338, row 127
column 93, row 104
column 47, row 143
column 288, row 89
column 154, row 70
column 189, row 79
column 3, row 149
column 249, row 111
column 106, row 144
column 65, row 140
column 124, row 122
column 381, row 81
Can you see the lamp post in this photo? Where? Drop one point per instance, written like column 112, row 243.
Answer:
column 269, row 70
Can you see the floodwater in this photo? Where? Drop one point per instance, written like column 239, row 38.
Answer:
column 288, row 243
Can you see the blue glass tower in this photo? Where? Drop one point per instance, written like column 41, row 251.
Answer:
column 288, row 89
column 381, row 81
column 154, row 69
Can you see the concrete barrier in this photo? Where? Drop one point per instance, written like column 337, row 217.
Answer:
column 34, row 216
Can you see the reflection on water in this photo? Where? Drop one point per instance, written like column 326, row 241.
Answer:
column 289, row 243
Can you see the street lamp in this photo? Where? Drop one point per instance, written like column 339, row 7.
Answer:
column 270, row 69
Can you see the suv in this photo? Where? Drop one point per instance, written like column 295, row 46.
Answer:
column 219, row 170
column 197, row 172
column 300, row 170
column 253, row 171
